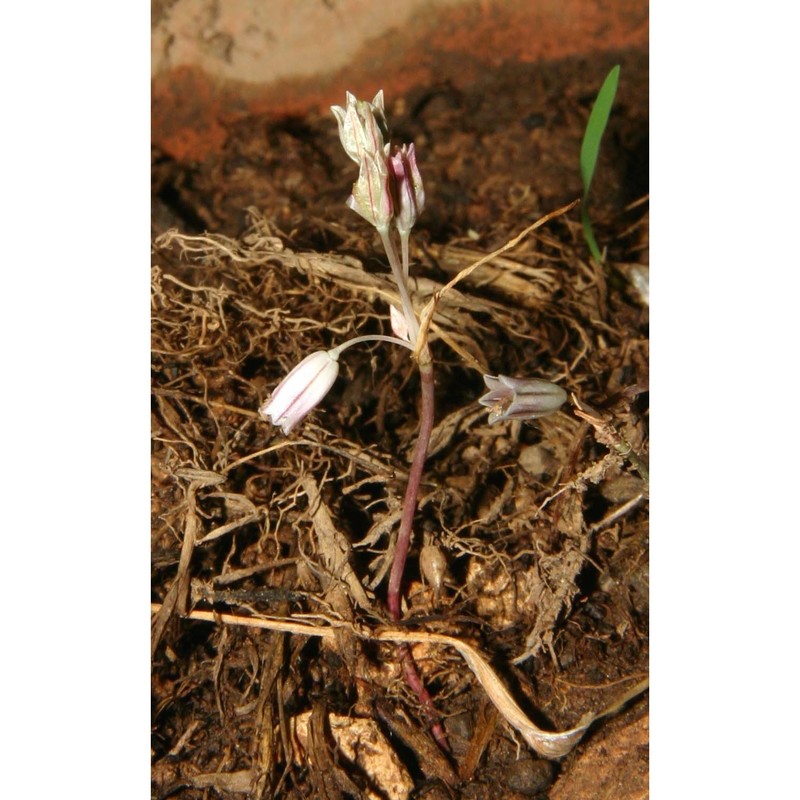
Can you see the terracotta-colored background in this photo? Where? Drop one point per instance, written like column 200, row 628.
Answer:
column 214, row 62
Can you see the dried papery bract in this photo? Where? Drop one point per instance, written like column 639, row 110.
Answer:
column 362, row 126
column 372, row 195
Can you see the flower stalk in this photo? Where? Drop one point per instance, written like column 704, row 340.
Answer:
column 307, row 384
column 389, row 194
column 398, row 272
column 412, row 491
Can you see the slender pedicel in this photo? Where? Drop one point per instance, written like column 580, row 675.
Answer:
column 306, row 385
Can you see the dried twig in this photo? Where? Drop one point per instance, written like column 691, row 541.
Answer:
column 545, row 743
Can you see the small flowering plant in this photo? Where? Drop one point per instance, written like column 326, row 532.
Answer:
column 389, row 194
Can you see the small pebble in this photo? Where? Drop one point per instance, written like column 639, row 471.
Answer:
column 529, row 776
column 460, row 725
column 536, row 459
column 622, row 488
column 471, row 454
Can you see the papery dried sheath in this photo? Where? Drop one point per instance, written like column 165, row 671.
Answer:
column 433, row 566
column 301, row 390
column 521, row 398
column 372, row 196
column 362, row 126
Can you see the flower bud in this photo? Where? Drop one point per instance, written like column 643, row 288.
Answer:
column 301, row 390
column 372, row 197
column 362, row 126
column 409, row 194
column 399, row 323
column 521, row 398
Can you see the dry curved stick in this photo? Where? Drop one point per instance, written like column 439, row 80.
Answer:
column 545, row 743
column 428, row 311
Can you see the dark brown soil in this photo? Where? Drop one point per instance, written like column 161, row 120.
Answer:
column 543, row 523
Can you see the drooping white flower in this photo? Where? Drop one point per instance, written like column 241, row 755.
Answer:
column 302, row 389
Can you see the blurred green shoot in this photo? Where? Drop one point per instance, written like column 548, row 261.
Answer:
column 590, row 150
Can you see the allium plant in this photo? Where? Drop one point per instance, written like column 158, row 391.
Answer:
column 389, row 194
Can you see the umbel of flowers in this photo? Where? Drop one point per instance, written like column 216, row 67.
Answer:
column 389, row 194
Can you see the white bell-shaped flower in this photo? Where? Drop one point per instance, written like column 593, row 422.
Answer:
column 301, row 390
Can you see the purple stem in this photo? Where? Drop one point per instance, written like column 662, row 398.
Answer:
column 412, row 491
column 412, row 676
column 410, row 672
column 414, row 680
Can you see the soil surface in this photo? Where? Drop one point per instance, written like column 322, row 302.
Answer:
column 543, row 524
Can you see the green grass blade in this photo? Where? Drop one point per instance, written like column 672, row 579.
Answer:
column 588, row 234
column 590, row 148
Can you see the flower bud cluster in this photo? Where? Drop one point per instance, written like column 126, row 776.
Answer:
column 389, row 186
column 389, row 191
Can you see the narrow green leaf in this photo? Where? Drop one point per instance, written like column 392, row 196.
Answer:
column 590, row 150
column 596, row 126
column 588, row 234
